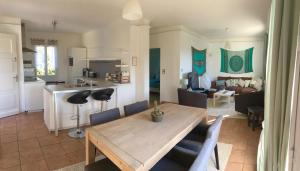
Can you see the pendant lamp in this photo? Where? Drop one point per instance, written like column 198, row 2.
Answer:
column 132, row 10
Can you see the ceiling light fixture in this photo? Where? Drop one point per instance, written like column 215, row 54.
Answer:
column 132, row 10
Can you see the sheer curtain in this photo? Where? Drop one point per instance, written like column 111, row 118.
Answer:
column 281, row 72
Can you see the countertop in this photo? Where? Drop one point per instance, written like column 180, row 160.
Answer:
column 38, row 80
column 69, row 88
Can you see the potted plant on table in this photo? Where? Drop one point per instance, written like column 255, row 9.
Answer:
column 157, row 115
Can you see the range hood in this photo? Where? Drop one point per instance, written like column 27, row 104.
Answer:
column 24, row 48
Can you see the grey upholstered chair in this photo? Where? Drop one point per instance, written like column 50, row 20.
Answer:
column 181, row 159
column 196, row 138
column 136, row 108
column 178, row 159
column 106, row 116
column 190, row 98
column 104, row 164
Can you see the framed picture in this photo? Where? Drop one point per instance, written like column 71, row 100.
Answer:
column 134, row 61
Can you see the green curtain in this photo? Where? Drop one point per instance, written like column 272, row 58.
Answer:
column 282, row 45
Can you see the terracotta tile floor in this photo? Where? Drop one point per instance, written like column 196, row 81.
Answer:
column 27, row 145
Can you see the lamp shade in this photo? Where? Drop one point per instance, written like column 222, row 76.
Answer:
column 132, row 10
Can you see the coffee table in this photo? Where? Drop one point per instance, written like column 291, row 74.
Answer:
column 223, row 93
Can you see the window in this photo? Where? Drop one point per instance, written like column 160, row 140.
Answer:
column 45, row 60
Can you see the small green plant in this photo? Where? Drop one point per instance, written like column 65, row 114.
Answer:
column 157, row 115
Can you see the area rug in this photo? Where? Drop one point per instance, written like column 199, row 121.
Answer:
column 223, row 108
column 224, row 154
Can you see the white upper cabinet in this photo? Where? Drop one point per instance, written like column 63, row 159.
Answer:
column 101, row 53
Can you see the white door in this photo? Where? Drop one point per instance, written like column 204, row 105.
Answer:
column 9, row 94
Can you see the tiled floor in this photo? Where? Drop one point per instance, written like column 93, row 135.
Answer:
column 245, row 144
column 27, row 145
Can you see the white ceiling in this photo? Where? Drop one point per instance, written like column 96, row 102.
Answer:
column 207, row 17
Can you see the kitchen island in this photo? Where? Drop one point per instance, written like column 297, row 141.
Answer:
column 60, row 114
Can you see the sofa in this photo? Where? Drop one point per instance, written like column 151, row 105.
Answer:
column 243, row 101
column 237, row 89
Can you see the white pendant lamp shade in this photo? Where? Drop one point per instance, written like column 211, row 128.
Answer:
column 132, row 10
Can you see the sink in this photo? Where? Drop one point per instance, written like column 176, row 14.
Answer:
column 85, row 85
column 79, row 85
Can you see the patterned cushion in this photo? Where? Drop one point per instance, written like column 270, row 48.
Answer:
column 247, row 83
column 252, row 83
column 258, row 84
column 235, row 82
column 228, row 83
column 241, row 83
column 220, row 83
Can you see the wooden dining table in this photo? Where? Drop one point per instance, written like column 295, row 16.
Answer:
column 136, row 143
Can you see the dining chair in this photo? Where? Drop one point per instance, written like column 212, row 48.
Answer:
column 178, row 159
column 195, row 139
column 136, row 108
column 104, row 164
column 190, row 98
column 105, row 116
column 181, row 159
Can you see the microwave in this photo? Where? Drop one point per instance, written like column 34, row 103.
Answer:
column 30, row 72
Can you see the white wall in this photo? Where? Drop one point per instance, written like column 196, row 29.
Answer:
column 169, row 44
column 259, row 56
column 65, row 41
column 12, row 25
column 139, row 48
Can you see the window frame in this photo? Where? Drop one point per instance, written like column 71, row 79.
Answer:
column 46, row 74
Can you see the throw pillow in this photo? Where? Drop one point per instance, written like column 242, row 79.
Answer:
column 241, row 83
column 247, row 83
column 228, row 83
column 220, row 83
column 258, row 84
column 205, row 82
column 252, row 83
column 235, row 82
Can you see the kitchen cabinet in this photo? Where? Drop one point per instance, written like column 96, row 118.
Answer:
column 77, row 61
column 125, row 96
column 34, row 95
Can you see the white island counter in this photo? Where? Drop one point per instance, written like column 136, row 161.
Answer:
column 58, row 113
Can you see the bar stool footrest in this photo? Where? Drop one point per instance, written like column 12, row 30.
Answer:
column 76, row 133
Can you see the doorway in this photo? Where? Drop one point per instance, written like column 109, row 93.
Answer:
column 154, row 75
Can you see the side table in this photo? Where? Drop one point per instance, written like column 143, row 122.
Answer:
column 255, row 116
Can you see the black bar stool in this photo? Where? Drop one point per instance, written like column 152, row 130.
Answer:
column 78, row 99
column 103, row 95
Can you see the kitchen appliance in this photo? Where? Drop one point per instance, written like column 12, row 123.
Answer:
column 30, row 74
column 27, row 63
column 85, row 72
column 92, row 74
column 33, row 95
column 124, row 77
